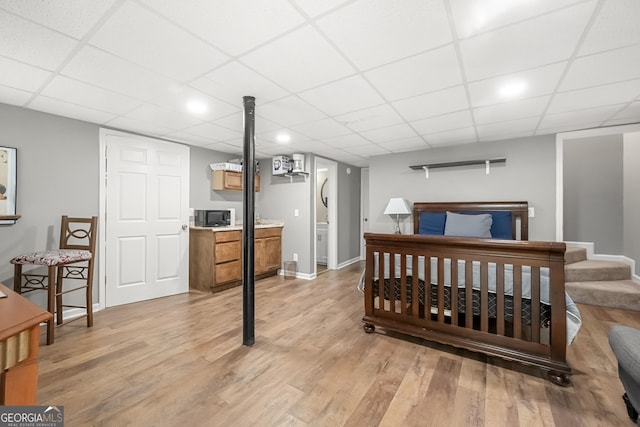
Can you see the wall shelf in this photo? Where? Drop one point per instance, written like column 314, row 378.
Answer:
column 485, row 162
column 9, row 219
column 290, row 175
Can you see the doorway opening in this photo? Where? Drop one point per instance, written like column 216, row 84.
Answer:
column 325, row 215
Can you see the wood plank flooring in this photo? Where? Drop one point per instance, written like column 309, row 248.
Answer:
column 180, row 361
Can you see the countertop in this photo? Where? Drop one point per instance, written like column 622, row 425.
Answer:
column 239, row 227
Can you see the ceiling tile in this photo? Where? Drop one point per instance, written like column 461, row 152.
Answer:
column 138, row 126
column 602, row 68
column 427, row 72
column 343, row 96
column 433, row 104
column 391, row 133
column 61, row 108
column 76, row 92
column 289, row 111
column 21, row 76
column 105, row 70
column 544, row 40
column 325, row 128
column 144, row 38
column 443, row 122
column 187, row 138
column 312, row 146
column 178, row 97
column 375, row 32
column 272, row 136
column 615, row 26
column 314, row 7
column 344, row 141
column 616, row 93
column 213, row 132
column 577, row 119
column 520, row 127
column 370, row 118
column 367, row 150
column 473, row 16
column 406, row 144
column 71, row 17
column 630, row 112
column 9, row 95
column 315, row 62
column 452, row 137
column 538, row 81
column 512, row 110
column 232, row 81
column 163, row 117
column 23, row 41
column 234, row 25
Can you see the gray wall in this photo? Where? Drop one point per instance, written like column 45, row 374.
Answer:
column 57, row 175
column 348, row 213
column 593, row 192
column 528, row 175
column 631, row 203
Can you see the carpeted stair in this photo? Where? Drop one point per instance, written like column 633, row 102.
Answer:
column 602, row 283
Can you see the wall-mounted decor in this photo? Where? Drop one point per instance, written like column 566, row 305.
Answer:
column 8, row 178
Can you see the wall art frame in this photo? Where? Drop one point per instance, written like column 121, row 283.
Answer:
column 8, row 185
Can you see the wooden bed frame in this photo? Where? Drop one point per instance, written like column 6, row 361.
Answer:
column 541, row 347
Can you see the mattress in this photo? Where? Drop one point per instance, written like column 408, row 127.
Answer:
column 574, row 321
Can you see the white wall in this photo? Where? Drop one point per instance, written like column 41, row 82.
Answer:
column 528, row 175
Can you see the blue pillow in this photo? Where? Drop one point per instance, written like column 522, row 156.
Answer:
column 432, row 223
column 501, row 227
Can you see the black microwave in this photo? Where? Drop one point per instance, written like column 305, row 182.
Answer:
column 212, row 218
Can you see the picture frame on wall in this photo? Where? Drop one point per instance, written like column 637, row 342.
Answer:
column 8, row 185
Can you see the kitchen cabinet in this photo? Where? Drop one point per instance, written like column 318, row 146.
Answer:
column 229, row 180
column 215, row 256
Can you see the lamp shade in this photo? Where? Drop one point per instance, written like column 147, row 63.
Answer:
column 397, row 206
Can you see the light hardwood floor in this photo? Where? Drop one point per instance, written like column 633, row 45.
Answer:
column 179, row 361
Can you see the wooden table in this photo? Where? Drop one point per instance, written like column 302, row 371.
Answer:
column 19, row 343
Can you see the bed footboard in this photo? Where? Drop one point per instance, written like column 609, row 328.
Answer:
column 488, row 296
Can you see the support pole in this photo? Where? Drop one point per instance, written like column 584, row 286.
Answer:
column 248, row 226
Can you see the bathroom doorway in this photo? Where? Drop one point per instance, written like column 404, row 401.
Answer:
column 325, row 215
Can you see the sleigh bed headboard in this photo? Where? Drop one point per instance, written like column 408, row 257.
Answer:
column 502, row 212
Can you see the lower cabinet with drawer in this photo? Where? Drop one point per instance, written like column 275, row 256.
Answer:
column 215, row 256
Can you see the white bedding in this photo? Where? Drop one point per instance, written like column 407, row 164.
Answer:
column 574, row 321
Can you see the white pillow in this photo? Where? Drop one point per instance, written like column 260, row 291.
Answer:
column 468, row 225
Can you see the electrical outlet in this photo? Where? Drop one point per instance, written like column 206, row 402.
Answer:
column 532, row 212
column 296, row 212
column 295, row 257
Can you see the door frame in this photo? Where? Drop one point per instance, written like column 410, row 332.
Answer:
column 102, row 209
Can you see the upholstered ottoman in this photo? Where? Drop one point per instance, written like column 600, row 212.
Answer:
column 625, row 343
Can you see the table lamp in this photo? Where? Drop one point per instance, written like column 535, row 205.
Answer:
column 397, row 206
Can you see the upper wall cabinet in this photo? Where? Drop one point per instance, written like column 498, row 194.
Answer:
column 229, row 180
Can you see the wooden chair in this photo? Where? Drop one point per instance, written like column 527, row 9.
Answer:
column 74, row 260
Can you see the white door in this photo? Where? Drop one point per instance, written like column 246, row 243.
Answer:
column 146, row 226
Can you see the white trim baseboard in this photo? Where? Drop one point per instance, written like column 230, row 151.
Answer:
column 348, row 262
column 73, row 313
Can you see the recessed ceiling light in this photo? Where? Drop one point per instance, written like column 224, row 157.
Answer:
column 513, row 89
column 283, row 138
column 197, row 107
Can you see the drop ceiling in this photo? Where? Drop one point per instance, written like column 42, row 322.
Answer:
column 344, row 79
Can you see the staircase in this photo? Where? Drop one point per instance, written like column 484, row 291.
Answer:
column 601, row 283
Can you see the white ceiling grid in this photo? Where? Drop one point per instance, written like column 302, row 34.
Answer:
column 345, row 79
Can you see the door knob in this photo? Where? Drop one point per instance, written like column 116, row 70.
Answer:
column 185, row 226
